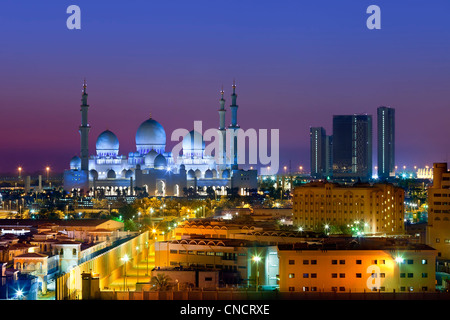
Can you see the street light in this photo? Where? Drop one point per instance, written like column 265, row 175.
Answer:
column 19, row 294
column 125, row 260
column 20, row 172
column 257, row 259
column 47, row 169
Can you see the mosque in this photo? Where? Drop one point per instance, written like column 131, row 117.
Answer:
column 151, row 168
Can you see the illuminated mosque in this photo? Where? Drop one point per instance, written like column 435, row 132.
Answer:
column 151, row 168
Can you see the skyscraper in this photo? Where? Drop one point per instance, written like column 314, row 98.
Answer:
column 320, row 152
column 386, row 142
column 352, row 147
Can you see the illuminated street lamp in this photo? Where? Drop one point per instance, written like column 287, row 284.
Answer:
column 125, row 260
column 19, row 294
column 47, row 169
column 257, row 259
column 326, row 229
column 20, row 172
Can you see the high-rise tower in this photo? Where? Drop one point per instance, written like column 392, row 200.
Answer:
column 234, row 127
column 320, row 152
column 352, row 147
column 84, row 130
column 386, row 142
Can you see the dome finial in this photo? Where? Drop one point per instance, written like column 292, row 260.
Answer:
column 150, row 115
column 84, row 85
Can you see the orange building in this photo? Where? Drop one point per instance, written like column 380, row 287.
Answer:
column 438, row 228
column 379, row 207
column 352, row 267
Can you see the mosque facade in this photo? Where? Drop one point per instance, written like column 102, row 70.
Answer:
column 151, row 168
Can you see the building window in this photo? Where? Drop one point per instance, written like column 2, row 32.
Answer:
column 424, row 261
column 334, row 275
column 313, row 275
column 291, row 275
column 424, row 288
column 374, row 261
column 209, row 253
column 291, row 261
column 191, row 252
column 341, row 261
column 382, row 261
column 382, row 275
column 313, row 261
column 358, row 275
column 61, row 252
column 402, row 275
column 208, row 279
column 341, row 275
column 333, row 261
column 305, row 289
column 201, row 253
column 402, row 288
column 182, row 251
column 334, row 289
column 173, row 251
column 410, row 261
column 306, row 275
column 305, row 261
column 291, row 289
column 424, row 275
column 313, row 288
column 358, row 261
column 410, row 275
column 341, row 288
column 74, row 252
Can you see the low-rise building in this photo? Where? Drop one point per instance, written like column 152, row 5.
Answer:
column 352, row 266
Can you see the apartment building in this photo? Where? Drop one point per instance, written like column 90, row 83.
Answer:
column 438, row 228
column 379, row 208
column 357, row 268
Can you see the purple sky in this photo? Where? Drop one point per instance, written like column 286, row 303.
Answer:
column 295, row 65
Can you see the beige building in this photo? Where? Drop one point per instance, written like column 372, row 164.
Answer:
column 233, row 258
column 362, row 268
column 438, row 229
column 378, row 208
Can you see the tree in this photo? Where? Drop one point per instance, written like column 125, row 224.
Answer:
column 161, row 282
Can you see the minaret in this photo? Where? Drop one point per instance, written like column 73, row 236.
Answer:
column 222, row 129
column 84, row 130
column 234, row 126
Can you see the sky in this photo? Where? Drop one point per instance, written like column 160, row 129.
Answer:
column 295, row 63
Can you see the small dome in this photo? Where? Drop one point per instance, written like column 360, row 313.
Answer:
column 123, row 173
column 193, row 143
column 149, row 158
column 160, row 162
column 182, row 167
column 191, row 174
column 208, row 174
column 93, row 174
column 107, row 144
column 150, row 135
column 111, row 174
column 226, row 174
column 75, row 163
column 129, row 174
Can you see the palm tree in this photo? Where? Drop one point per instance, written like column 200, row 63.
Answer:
column 161, row 281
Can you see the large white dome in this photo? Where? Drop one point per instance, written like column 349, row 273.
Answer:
column 150, row 135
column 107, row 144
column 193, row 144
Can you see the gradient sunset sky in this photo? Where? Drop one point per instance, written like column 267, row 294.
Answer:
column 296, row 64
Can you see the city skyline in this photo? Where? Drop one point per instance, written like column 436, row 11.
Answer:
column 180, row 56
